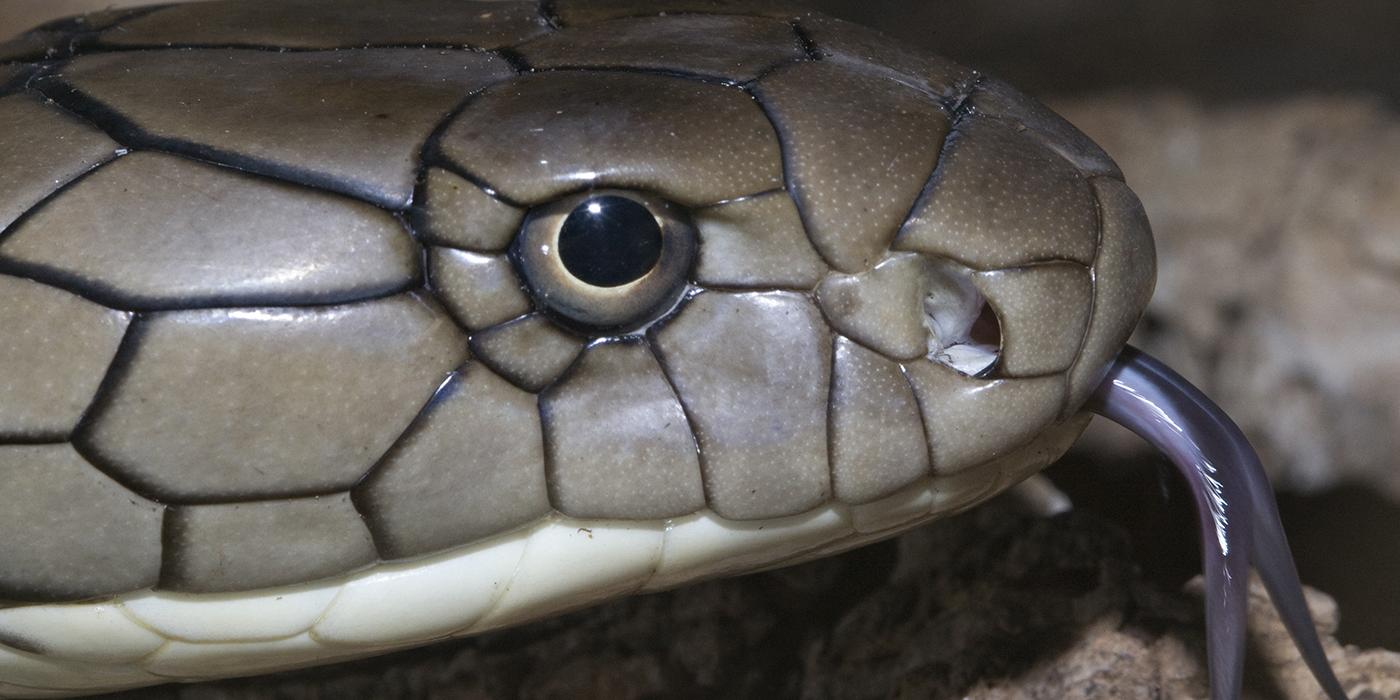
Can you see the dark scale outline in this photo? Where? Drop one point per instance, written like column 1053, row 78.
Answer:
column 38, row 597
column 918, row 413
column 513, row 319
column 40, row 437
column 5, row 267
column 748, row 85
column 989, row 374
column 375, row 471
column 708, row 78
column 78, row 24
column 114, row 297
column 16, row 83
column 800, row 42
column 962, row 111
column 637, row 339
column 741, row 198
column 430, row 152
column 1065, row 409
column 831, row 408
column 660, row 324
column 546, row 10
column 784, row 147
column 997, row 369
column 958, row 90
column 439, row 160
column 667, row 373
column 83, row 42
column 1057, row 421
column 956, row 114
column 515, row 59
column 69, row 36
column 444, row 390
column 959, row 105
column 169, row 548
column 358, row 497
column 117, row 371
column 490, row 362
column 102, row 49
column 810, row 291
column 93, row 111
column 55, row 193
column 1041, row 136
column 789, row 184
column 796, row 14
column 570, row 369
column 805, row 42
column 676, row 395
column 546, row 420
column 66, row 436
column 1028, row 262
column 109, row 295
column 923, row 419
column 122, row 365
column 128, row 133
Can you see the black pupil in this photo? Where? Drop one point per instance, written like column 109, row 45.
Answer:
column 609, row 241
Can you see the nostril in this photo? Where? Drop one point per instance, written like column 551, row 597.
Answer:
column 986, row 330
column 963, row 330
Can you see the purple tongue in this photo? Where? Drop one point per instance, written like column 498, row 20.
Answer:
column 1239, row 520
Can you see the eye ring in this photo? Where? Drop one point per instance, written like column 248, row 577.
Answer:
column 606, row 260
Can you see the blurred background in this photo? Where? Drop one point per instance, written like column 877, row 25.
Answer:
column 1263, row 137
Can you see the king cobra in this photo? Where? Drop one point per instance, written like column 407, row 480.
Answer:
column 337, row 328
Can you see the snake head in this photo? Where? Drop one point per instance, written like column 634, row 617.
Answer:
column 846, row 265
column 748, row 262
column 464, row 313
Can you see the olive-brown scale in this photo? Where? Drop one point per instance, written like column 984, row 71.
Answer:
column 273, row 316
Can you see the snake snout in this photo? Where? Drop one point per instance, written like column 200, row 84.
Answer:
column 914, row 306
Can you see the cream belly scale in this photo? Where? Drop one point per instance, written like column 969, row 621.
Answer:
column 333, row 329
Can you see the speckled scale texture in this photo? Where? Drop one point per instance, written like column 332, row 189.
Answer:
column 265, row 325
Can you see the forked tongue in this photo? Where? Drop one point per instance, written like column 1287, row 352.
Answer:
column 1238, row 516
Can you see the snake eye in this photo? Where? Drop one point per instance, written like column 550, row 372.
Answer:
column 606, row 260
column 609, row 241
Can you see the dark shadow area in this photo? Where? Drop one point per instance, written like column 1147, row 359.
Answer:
column 1144, row 497
column 1343, row 539
column 1216, row 50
